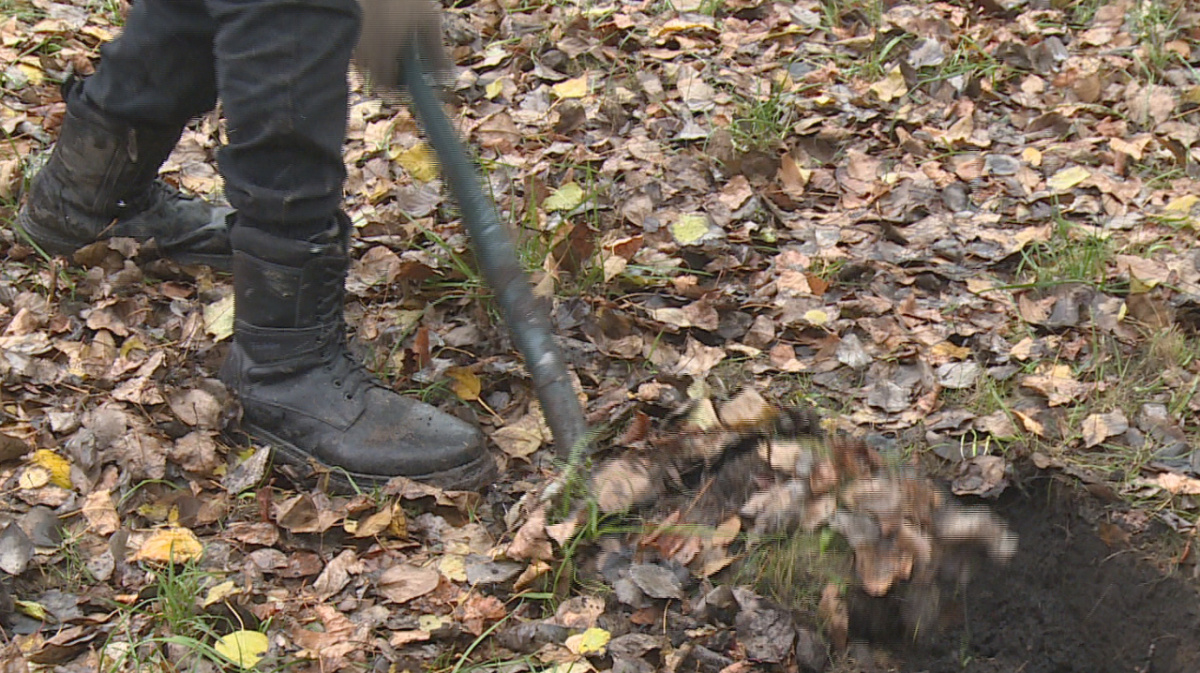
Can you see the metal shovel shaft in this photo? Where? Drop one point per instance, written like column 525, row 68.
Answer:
column 525, row 316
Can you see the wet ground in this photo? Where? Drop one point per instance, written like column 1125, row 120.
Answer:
column 1067, row 603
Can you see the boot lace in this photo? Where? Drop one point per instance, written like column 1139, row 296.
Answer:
column 348, row 373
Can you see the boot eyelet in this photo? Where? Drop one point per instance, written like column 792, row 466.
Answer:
column 337, row 384
column 349, row 397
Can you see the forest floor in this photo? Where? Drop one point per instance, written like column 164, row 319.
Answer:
column 962, row 232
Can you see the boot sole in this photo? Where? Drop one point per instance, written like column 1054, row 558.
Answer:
column 472, row 476
column 51, row 244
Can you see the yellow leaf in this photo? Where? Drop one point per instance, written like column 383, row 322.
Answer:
column 453, row 567
column 464, row 383
column 1032, row 156
column 816, row 316
column 1068, row 178
column 567, row 197
column 419, row 161
column 1182, row 204
column 30, row 609
column 220, row 592
column 430, row 622
column 132, row 344
column 243, row 648
column 690, row 228
column 591, row 641
column 34, row 477
column 572, row 88
column 891, row 86
column 35, row 74
column 59, row 467
column 170, row 545
column 218, row 318
column 494, row 88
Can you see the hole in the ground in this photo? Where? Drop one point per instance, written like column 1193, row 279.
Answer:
column 1066, row 603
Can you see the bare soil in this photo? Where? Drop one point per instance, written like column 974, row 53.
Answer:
column 1067, row 603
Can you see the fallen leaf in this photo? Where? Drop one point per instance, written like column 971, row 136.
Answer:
column 572, row 88
column 1067, row 178
column 100, row 512
column 170, row 545
column 464, row 383
column 1099, row 427
column 59, row 467
column 892, row 86
column 531, row 542
column 218, row 318
column 243, row 648
column 419, row 161
column 623, row 483
column 690, row 229
column 567, row 197
column 697, row 359
column 523, row 437
column 591, row 641
column 403, row 582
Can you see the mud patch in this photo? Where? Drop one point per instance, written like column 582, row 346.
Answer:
column 1066, row 603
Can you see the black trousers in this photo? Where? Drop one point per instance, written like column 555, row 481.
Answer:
column 279, row 68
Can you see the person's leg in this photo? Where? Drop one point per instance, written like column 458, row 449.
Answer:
column 281, row 73
column 121, row 125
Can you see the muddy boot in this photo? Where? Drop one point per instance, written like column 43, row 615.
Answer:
column 304, row 394
column 101, row 181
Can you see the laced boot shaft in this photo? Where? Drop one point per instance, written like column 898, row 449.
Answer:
column 305, row 394
column 101, row 181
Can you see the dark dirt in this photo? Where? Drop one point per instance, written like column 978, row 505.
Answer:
column 1067, row 603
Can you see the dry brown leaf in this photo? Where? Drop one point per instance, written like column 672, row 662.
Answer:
column 100, row 512
column 336, row 574
column 1099, row 427
column 531, row 541
column 478, row 612
column 403, row 582
column 698, row 359
column 1174, row 483
column 523, row 437
column 305, row 513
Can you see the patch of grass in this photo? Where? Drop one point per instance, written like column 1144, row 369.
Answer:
column 1079, row 13
column 166, row 629
column 763, row 122
column 69, row 569
column 969, row 60
column 21, row 9
column 1155, row 23
column 1070, row 256
column 794, row 568
column 837, row 14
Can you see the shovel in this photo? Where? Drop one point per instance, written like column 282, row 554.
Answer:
column 525, row 316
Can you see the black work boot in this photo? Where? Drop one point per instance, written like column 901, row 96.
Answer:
column 304, row 394
column 102, row 182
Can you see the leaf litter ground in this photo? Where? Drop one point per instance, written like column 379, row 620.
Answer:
column 964, row 232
